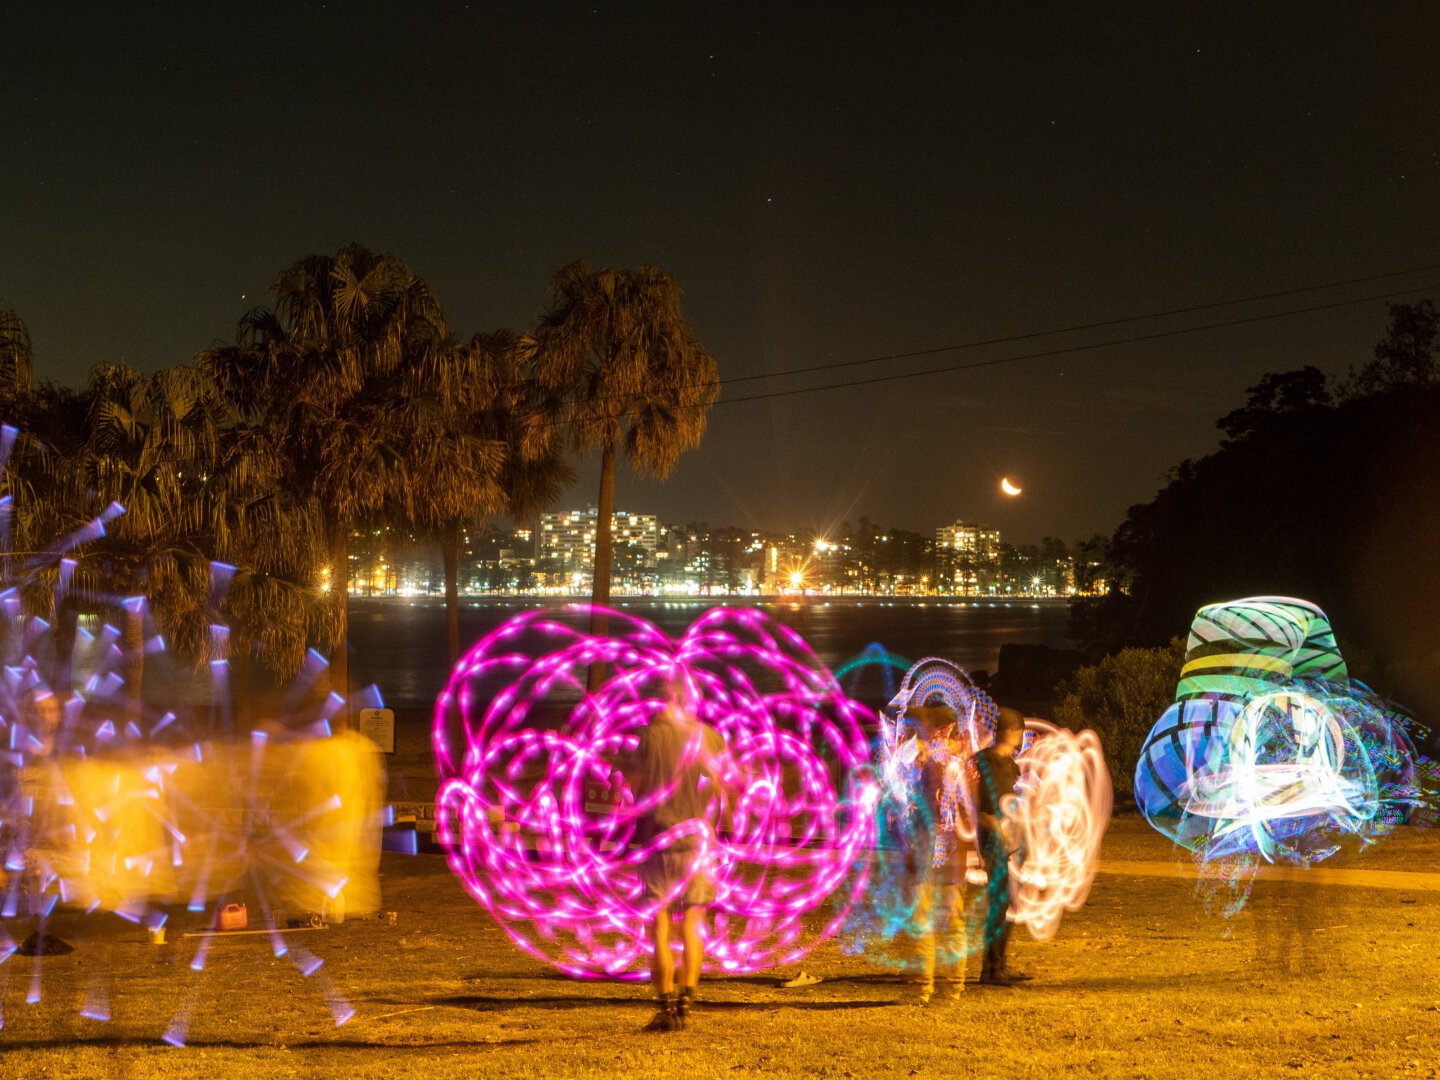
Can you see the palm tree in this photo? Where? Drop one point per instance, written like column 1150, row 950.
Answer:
column 616, row 348
column 144, row 442
column 153, row 450
column 480, row 446
column 32, row 516
column 325, row 375
column 45, row 501
column 452, row 463
column 16, row 359
column 273, row 605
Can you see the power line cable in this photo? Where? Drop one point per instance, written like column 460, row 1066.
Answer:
column 1044, row 353
column 1076, row 328
column 1056, row 331
column 1074, row 348
column 1041, row 354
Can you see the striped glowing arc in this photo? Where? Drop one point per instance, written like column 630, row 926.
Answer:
column 1270, row 750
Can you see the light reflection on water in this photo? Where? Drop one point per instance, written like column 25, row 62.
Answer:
column 400, row 644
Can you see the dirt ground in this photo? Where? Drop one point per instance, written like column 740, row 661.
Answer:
column 1312, row 978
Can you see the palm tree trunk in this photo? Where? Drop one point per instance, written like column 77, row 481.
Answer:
column 604, row 552
column 66, row 624
column 340, row 656
column 243, row 670
column 450, row 553
column 132, row 648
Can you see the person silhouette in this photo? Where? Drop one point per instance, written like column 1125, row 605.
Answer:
column 679, row 763
column 996, row 776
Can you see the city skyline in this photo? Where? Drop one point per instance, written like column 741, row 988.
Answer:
column 557, row 556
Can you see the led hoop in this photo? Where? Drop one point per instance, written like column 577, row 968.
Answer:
column 874, row 656
column 1056, row 822
column 1270, row 750
column 540, row 822
column 1059, row 822
column 900, row 744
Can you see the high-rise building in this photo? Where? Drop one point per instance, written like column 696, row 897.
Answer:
column 568, row 538
column 968, row 556
column 642, row 530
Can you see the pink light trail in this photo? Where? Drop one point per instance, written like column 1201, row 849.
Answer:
column 539, row 819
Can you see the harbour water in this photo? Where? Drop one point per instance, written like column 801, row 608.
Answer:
column 399, row 644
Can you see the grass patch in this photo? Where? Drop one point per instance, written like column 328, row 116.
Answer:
column 1309, row 980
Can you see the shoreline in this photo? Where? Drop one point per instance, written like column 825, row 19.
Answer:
column 399, row 643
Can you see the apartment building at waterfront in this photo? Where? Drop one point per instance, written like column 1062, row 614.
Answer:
column 967, row 558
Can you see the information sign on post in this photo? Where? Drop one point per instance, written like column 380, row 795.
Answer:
column 378, row 725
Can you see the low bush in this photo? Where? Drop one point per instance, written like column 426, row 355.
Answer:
column 1120, row 698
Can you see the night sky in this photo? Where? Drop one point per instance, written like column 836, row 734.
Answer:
column 828, row 182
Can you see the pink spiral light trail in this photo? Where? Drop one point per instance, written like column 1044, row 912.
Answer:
column 540, row 820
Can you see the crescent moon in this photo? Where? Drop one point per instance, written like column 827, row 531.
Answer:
column 1009, row 488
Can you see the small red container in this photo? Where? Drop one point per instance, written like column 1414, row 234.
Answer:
column 233, row 917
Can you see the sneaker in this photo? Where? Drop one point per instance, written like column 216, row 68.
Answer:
column 1008, row 977
column 922, row 996
column 664, row 1021
column 804, row 978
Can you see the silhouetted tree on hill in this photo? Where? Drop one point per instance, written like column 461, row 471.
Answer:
column 1405, row 356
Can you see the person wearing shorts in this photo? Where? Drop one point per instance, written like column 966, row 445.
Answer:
column 934, row 862
column 680, row 759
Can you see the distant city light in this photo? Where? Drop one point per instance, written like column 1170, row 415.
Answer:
column 557, row 557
